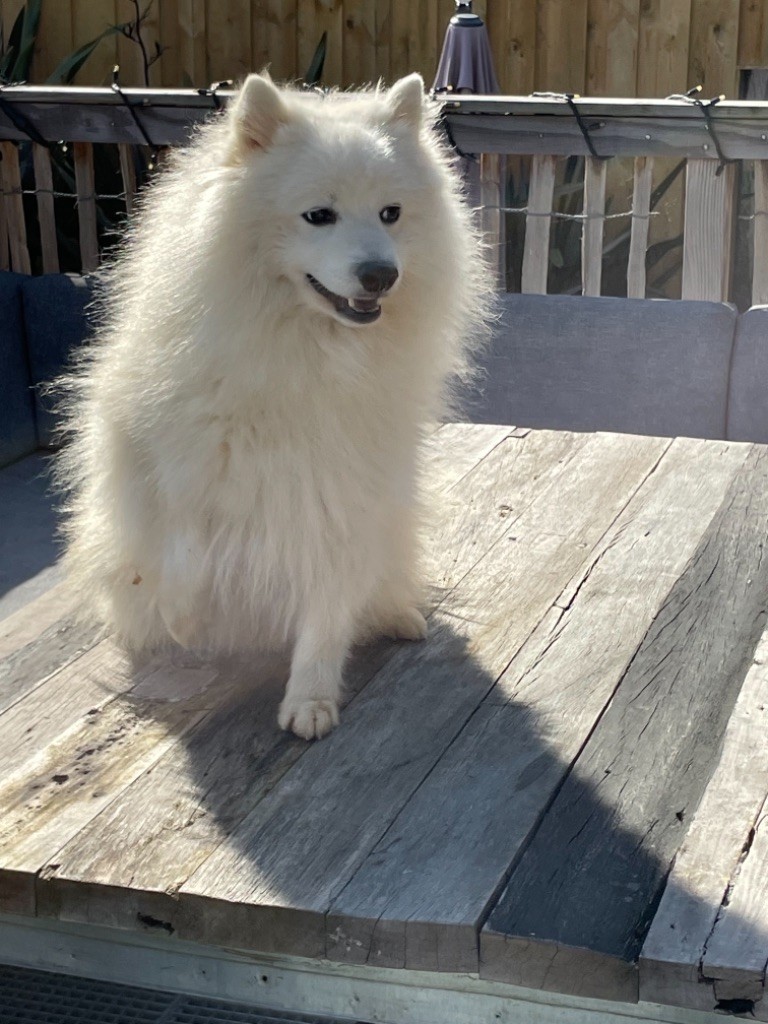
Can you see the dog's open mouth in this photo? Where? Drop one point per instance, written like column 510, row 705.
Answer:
column 359, row 311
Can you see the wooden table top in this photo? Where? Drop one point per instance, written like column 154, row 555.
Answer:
column 564, row 787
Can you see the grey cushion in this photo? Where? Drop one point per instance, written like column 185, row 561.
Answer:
column 748, row 399
column 17, row 415
column 56, row 323
column 630, row 365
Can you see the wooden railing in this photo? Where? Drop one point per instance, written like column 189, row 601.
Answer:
column 714, row 141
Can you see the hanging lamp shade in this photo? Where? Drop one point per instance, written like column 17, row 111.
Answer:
column 466, row 63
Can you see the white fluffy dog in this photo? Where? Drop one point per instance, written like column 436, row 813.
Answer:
column 280, row 327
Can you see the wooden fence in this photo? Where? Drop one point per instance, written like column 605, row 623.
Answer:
column 715, row 142
column 595, row 47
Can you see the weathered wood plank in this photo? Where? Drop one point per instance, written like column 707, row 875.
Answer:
column 714, row 40
column 228, row 39
column 292, row 855
column 681, row 933
column 638, row 242
column 191, row 45
column 201, row 793
column 413, row 903
column 753, row 34
column 512, row 34
column 760, row 235
column 737, row 950
column 359, row 56
column 637, row 135
column 578, row 905
column 73, row 780
column 61, row 702
column 86, row 206
column 708, row 235
column 561, row 50
column 46, row 216
column 29, row 621
column 24, row 668
column 456, row 448
column 662, row 58
column 10, row 178
column 426, row 35
column 612, row 43
column 538, row 225
column 594, row 226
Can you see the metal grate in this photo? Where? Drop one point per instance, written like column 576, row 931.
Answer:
column 36, row 997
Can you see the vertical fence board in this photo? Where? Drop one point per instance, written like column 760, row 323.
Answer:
column 426, row 20
column 562, row 45
column 753, row 34
column 46, row 216
column 399, row 54
column 384, row 39
column 713, row 46
column 128, row 174
column 492, row 219
column 594, row 224
column 708, row 241
column 54, row 41
column 89, row 20
column 86, row 206
column 760, row 258
column 512, row 34
column 538, row 226
column 170, row 62
column 612, row 40
column 14, row 208
column 638, row 241
column 359, row 55
column 313, row 18
column 623, row 47
column 662, row 56
column 228, row 38
column 192, row 43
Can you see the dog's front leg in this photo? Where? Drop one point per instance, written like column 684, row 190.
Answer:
column 311, row 704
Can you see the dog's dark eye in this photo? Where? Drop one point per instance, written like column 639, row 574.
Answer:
column 389, row 214
column 320, row 216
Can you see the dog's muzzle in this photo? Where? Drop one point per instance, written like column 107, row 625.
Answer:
column 376, row 279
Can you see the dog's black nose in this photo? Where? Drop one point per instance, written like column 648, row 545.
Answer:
column 376, row 278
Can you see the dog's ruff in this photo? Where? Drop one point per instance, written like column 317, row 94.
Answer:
column 278, row 331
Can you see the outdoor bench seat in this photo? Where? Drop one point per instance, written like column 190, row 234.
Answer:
column 638, row 366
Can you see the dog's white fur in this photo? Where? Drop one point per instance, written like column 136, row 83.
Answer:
column 244, row 462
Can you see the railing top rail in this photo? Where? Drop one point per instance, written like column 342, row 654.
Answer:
column 511, row 124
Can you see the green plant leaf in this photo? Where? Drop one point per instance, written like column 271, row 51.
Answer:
column 315, row 70
column 26, row 49
column 14, row 40
column 65, row 71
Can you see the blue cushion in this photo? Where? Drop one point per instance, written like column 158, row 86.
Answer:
column 748, row 399
column 56, row 323
column 17, row 415
column 641, row 366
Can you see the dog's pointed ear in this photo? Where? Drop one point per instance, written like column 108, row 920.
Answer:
column 258, row 112
column 406, row 100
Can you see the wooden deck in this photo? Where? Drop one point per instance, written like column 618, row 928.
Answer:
column 563, row 789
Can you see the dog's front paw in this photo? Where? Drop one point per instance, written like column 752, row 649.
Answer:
column 408, row 624
column 310, row 719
